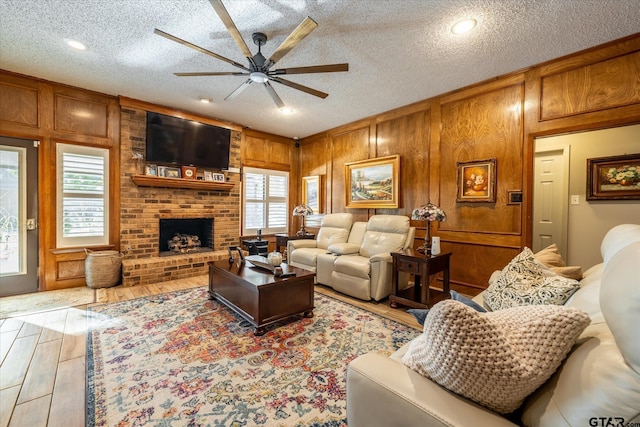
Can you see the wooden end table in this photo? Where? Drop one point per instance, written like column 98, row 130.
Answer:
column 421, row 266
column 257, row 295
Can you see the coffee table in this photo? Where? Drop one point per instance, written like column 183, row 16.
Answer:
column 257, row 295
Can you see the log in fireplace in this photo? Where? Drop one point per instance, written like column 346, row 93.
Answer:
column 185, row 235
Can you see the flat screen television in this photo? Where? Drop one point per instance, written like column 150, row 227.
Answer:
column 175, row 141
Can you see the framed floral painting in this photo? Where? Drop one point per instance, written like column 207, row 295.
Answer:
column 614, row 178
column 476, row 181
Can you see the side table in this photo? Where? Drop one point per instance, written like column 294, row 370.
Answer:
column 421, row 266
column 256, row 246
column 283, row 238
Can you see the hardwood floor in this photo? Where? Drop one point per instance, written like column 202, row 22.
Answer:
column 42, row 370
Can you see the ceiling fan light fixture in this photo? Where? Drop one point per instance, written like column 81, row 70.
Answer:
column 464, row 26
column 286, row 110
column 75, row 44
column 258, row 77
column 205, row 100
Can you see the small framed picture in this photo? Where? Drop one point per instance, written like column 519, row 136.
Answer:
column 173, row 173
column 151, row 170
column 162, row 171
column 476, row 181
column 208, row 176
column 218, row 177
column 614, row 178
column 188, row 172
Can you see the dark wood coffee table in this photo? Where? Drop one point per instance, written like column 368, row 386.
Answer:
column 257, row 295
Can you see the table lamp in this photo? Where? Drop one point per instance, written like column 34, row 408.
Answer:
column 428, row 212
column 302, row 210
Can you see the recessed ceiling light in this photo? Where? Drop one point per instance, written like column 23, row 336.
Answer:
column 464, row 26
column 205, row 100
column 75, row 44
column 286, row 110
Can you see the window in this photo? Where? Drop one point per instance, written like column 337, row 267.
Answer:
column 265, row 201
column 83, row 195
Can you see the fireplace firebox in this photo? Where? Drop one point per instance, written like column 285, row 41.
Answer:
column 185, row 235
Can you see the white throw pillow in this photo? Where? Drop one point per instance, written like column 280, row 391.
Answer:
column 525, row 281
column 497, row 358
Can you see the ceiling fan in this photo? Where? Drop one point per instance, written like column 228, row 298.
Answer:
column 259, row 69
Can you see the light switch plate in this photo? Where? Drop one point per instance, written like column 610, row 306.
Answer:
column 575, row 199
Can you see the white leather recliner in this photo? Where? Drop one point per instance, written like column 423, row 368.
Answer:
column 334, row 228
column 364, row 272
column 324, row 262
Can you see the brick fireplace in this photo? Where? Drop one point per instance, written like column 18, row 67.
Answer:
column 143, row 208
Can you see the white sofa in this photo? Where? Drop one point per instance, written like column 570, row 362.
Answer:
column 361, row 265
column 597, row 384
column 334, row 228
column 364, row 271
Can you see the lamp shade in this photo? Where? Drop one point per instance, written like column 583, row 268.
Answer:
column 302, row 210
column 429, row 212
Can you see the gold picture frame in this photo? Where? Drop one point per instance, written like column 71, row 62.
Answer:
column 614, row 178
column 476, row 181
column 373, row 183
column 312, row 193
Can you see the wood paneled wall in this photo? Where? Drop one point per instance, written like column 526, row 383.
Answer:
column 52, row 113
column 267, row 151
column 500, row 119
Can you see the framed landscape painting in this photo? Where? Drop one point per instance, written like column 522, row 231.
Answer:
column 372, row 183
column 312, row 192
column 614, row 178
column 476, row 181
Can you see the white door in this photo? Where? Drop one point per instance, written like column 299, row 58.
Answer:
column 18, row 216
column 550, row 198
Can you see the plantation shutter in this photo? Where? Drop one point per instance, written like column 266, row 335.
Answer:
column 265, row 201
column 83, row 195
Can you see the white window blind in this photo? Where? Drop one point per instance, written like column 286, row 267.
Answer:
column 83, row 196
column 265, row 201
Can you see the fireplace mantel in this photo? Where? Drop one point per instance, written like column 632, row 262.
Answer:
column 156, row 181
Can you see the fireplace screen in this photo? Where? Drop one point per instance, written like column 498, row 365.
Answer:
column 180, row 236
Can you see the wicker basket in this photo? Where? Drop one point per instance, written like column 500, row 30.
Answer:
column 102, row 268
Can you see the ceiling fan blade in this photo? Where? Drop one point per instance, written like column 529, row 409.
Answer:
column 199, row 49
column 239, row 89
column 206, row 73
column 231, row 27
column 300, row 87
column 294, row 38
column 274, row 95
column 332, row 68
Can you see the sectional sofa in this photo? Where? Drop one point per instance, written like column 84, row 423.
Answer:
column 597, row 384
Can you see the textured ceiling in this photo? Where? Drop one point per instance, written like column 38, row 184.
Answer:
column 399, row 51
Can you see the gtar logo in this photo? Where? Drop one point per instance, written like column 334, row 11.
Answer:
column 606, row 422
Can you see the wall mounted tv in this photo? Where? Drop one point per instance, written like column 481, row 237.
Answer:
column 174, row 141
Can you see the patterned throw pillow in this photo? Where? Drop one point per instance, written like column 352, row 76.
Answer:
column 497, row 358
column 522, row 282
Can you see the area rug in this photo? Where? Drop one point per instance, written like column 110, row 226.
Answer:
column 20, row 305
column 179, row 359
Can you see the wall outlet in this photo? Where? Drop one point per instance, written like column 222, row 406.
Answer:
column 575, row 199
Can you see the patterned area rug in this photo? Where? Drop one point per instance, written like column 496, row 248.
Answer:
column 179, row 359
